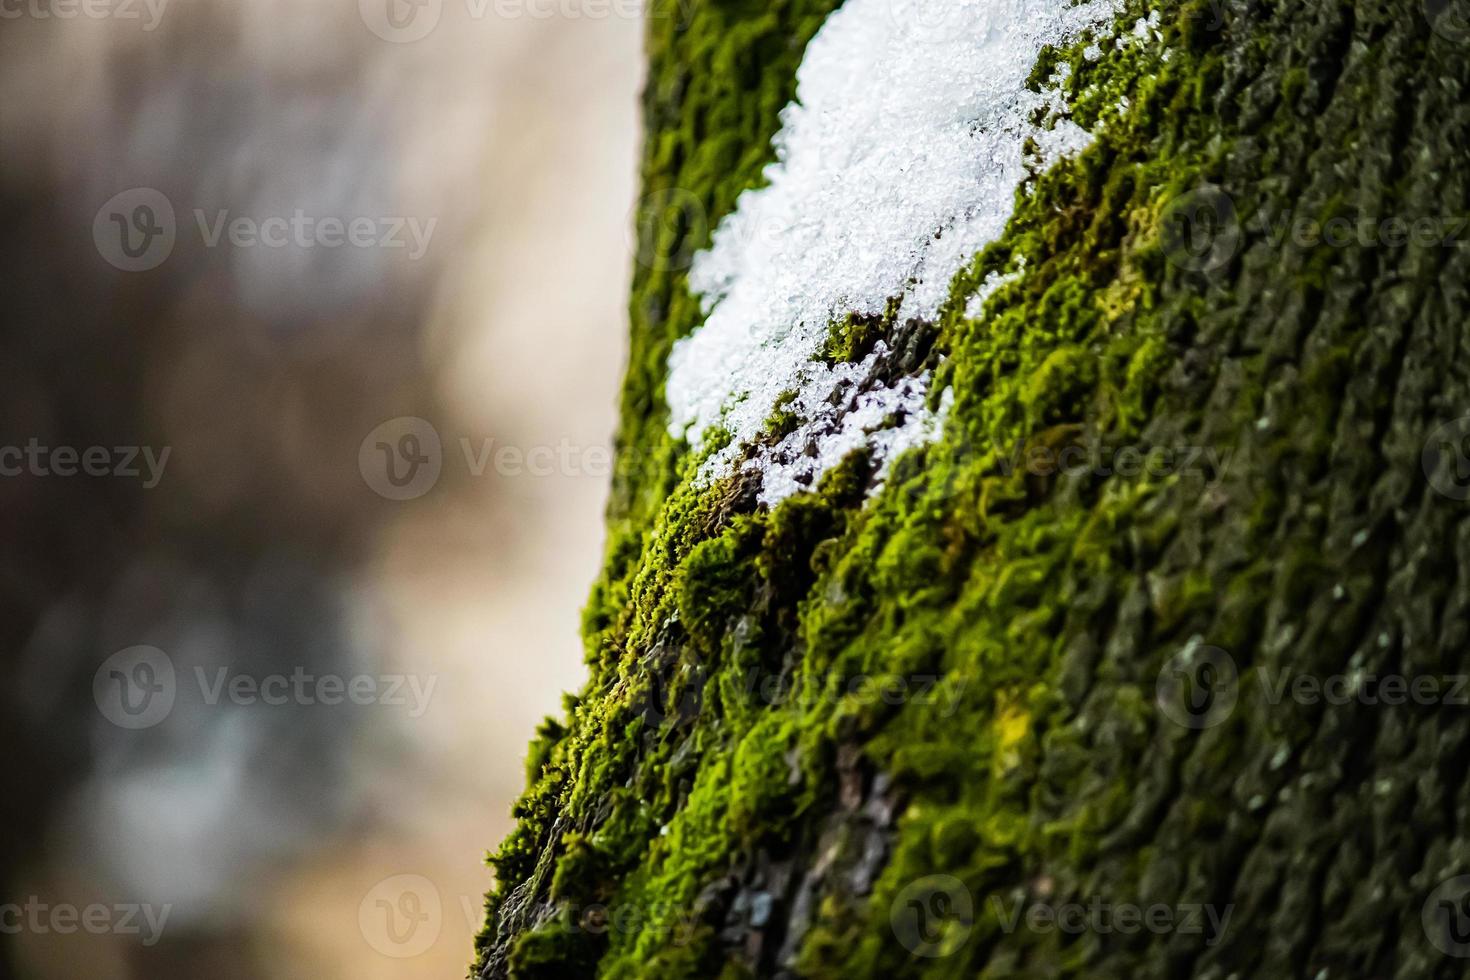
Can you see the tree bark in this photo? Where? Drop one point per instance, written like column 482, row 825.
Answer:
column 1154, row 664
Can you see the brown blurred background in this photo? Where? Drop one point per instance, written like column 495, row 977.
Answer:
column 302, row 524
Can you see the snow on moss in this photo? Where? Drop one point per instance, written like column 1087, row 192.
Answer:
column 898, row 161
column 841, row 414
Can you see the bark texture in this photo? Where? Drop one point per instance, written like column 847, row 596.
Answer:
column 854, row 737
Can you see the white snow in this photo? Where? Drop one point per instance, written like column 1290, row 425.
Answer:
column 899, row 160
column 975, row 305
column 831, row 431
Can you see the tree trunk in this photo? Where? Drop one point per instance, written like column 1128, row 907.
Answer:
column 1150, row 660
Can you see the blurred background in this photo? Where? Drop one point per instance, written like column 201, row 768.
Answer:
column 311, row 324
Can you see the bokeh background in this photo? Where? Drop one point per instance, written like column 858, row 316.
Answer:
column 300, row 838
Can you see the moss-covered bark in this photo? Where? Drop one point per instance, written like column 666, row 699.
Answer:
column 892, row 736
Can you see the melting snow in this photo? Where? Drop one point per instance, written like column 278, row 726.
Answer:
column 898, row 162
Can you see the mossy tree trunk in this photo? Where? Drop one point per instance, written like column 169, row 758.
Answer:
column 1152, row 665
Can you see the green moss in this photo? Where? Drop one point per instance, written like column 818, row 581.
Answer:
column 744, row 663
column 720, row 73
column 853, row 337
column 783, row 420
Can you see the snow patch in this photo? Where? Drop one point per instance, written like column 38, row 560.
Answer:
column 844, row 413
column 898, row 161
column 975, row 305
